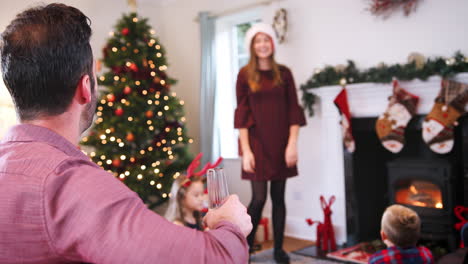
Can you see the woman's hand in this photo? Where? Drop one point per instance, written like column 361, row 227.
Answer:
column 291, row 155
column 248, row 162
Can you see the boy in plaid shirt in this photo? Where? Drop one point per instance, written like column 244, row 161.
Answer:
column 400, row 232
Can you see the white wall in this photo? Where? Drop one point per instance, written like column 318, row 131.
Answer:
column 320, row 33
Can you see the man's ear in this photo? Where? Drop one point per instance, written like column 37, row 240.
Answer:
column 83, row 90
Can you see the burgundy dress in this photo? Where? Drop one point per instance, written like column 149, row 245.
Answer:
column 268, row 114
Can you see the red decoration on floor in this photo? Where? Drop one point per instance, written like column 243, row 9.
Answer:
column 264, row 222
column 328, row 234
column 460, row 212
column 353, row 254
column 325, row 233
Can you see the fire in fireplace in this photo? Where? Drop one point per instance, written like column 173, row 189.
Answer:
column 419, row 193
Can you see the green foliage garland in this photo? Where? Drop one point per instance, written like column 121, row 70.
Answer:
column 381, row 74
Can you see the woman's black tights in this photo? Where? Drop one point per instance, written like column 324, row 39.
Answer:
column 259, row 193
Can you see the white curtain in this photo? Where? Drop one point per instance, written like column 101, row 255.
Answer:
column 208, row 84
column 225, row 136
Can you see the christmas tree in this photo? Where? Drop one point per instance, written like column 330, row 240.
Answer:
column 139, row 133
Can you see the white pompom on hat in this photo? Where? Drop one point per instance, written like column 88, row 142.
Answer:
column 257, row 28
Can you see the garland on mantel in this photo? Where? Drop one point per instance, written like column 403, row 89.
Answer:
column 416, row 68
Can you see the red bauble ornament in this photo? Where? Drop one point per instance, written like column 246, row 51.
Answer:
column 98, row 65
column 110, row 97
column 127, row 90
column 133, row 67
column 116, row 163
column 125, row 31
column 130, row 137
column 119, row 111
column 149, row 114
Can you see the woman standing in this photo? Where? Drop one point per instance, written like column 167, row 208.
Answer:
column 268, row 117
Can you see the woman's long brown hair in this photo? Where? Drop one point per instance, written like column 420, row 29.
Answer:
column 253, row 73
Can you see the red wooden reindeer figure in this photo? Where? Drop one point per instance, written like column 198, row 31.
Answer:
column 328, row 234
column 319, row 231
column 325, row 233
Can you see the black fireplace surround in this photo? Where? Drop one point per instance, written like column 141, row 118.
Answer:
column 431, row 184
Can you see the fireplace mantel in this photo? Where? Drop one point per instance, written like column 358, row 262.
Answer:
column 371, row 99
column 366, row 100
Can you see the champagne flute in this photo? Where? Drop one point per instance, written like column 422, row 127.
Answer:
column 217, row 187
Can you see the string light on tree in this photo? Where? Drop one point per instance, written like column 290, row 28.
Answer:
column 129, row 133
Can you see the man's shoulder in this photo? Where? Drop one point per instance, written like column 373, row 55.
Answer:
column 29, row 157
column 37, row 158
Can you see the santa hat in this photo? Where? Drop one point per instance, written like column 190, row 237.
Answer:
column 257, row 28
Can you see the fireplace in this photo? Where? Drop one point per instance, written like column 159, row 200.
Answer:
column 426, row 186
column 429, row 183
column 360, row 180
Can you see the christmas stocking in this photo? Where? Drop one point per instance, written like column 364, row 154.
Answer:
column 439, row 123
column 391, row 125
column 341, row 101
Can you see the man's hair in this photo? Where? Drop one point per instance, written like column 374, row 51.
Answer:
column 401, row 225
column 45, row 52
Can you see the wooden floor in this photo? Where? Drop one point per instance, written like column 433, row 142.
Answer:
column 290, row 244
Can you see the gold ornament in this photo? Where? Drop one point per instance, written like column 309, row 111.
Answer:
column 133, row 5
column 340, row 68
column 418, row 59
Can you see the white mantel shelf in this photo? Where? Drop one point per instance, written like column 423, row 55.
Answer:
column 365, row 100
column 371, row 99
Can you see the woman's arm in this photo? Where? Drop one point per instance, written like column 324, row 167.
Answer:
column 291, row 148
column 248, row 160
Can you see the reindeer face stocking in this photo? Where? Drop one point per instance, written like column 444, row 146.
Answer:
column 439, row 123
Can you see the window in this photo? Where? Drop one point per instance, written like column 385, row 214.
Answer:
column 231, row 55
column 7, row 111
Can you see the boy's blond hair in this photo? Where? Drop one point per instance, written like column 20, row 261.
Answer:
column 401, row 225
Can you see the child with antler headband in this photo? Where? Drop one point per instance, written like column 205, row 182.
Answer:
column 187, row 195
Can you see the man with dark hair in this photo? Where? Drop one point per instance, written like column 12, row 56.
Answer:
column 56, row 206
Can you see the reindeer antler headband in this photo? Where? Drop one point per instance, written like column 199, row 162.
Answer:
column 195, row 163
